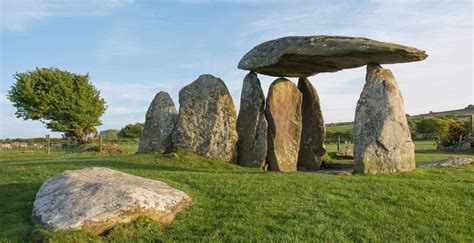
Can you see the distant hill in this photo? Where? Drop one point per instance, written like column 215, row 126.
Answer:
column 468, row 110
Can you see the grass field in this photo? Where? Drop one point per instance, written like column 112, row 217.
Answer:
column 242, row 204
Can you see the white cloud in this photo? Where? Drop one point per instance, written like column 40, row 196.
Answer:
column 16, row 15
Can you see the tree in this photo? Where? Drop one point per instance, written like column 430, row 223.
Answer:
column 456, row 134
column 414, row 133
column 432, row 127
column 131, row 131
column 64, row 101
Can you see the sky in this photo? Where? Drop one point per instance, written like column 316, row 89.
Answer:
column 132, row 49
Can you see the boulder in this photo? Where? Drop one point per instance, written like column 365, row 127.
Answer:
column 382, row 140
column 313, row 132
column 252, row 124
column 345, row 153
column 303, row 56
column 160, row 121
column 207, row 120
column 95, row 199
column 283, row 113
column 455, row 161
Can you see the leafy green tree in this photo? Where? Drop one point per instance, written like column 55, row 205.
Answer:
column 456, row 134
column 414, row 133
column 64, row 101
column 131, row 131
column 432, row 127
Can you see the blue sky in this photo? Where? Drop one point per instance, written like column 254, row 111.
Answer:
column 133, row 49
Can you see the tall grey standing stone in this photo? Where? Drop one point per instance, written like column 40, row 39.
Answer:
column 382, row 140
column 283, row 113
column 252, row 124
column 207, row 119
column 313, row 132
column 160, row 122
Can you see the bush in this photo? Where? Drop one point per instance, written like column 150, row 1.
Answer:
column 131, row 131
column 456, row 135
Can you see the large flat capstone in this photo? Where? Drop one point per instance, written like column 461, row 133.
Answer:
column 95, row 199
column 303, row 56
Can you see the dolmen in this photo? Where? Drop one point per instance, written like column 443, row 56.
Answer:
column 295, row 133
column 285, row 131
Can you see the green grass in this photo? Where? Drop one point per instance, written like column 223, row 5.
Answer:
column 243, row 204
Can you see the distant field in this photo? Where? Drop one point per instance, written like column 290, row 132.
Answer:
column 341, row 128
column 243, row 204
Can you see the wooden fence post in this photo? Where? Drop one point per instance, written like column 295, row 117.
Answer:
column 100, row 144
column 48, row 145
column 338, row 143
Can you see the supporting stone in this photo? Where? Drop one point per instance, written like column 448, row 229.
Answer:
column 313, row 132
column 283, row 113
column 252, row 124
column 207, row 119
column 160, row 122
column 382, row 140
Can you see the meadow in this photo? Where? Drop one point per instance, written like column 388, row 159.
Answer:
column 233, row 203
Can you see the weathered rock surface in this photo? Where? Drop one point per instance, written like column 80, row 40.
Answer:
column 95, row 199
column 345, row 153
column 456, row 161
column 160, row 121
column 283, row 113
column 303, row 56
column 313, row 132
column 207, row 119
column 252, row 124
column 382, row 140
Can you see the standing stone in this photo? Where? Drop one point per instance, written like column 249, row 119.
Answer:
column 313, row 132
column 283, row 113
column 207, row 119
column 382, row 140
column 161, row 119
column 251, row 124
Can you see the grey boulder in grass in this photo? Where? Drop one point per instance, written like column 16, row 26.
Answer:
column 95, row 199
column 455, row 161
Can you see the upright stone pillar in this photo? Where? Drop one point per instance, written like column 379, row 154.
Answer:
column 160, row 122
column 207, row 120
column 252, row 124
column 382, row 140
column 313, row 132
column 283, row 113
